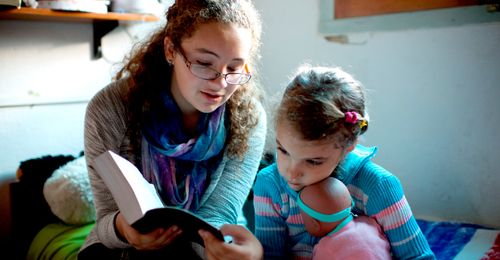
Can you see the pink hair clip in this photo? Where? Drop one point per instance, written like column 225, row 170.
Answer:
column 351, row 117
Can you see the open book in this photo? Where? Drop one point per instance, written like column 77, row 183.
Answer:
column 140, row 203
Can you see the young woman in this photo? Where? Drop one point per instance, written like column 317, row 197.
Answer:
column 183, row 110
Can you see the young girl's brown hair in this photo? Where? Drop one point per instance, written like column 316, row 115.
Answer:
column 323, row 103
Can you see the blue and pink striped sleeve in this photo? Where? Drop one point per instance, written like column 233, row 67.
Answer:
column 382, row 198
column 270, row 226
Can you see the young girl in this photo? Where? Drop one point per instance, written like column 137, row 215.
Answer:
column 318, row 122
column 182, row 110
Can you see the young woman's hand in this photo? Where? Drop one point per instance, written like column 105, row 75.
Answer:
column 156, row 239
column 244, row 246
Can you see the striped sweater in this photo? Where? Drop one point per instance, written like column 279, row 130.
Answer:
column 376, row 192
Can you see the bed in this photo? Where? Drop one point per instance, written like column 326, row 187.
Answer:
column 454, row 240
column 40, row 234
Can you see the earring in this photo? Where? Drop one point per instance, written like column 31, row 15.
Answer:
column 170, row 62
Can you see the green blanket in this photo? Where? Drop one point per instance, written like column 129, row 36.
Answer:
column 58, row 241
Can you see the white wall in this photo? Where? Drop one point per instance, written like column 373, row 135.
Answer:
column 50, row 63
column 433, row 103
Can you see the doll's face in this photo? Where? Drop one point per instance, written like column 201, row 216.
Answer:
column 303, row 162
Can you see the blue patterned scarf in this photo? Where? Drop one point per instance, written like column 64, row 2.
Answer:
column 176, row 164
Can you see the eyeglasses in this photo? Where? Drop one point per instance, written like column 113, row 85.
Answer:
column 207, row 73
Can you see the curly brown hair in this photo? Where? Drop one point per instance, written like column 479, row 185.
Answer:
column 148, row 72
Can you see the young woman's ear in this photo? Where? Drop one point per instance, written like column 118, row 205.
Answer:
column 169, row 50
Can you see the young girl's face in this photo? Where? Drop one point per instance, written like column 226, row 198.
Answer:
column 221, row 47
column 302, row 162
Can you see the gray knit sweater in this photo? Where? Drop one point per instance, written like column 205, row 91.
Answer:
column 106, row 125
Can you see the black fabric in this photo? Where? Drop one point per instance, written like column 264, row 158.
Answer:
column 178, row 250
column 29, row 209
column 36, row 171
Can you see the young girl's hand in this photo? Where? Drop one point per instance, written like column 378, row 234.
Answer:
column 156, row 239
column 244, row 246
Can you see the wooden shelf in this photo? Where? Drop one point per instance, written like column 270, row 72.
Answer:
column 101, row 23
column 27, row 13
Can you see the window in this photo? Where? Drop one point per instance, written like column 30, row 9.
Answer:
column 340, row 17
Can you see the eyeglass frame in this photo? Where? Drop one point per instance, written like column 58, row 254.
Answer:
column 217, row 74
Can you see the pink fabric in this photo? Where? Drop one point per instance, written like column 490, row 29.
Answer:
column 494, row 252
column 362, row 238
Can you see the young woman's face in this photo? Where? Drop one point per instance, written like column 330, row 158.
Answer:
column 303, row 162
column 224, row 48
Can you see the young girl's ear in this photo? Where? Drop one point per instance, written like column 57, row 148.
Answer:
column 168, row 48
column 351, row 147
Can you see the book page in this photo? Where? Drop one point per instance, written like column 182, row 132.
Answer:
column 132, row 193
column 144, row 191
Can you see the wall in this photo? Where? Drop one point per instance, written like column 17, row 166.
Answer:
column 433, row 100
column 47, row 77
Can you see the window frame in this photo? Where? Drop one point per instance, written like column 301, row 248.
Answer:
column 445, row 17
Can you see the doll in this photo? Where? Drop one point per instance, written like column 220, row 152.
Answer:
column 325, row 208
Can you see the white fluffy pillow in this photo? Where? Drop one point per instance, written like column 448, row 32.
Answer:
column 69, row 194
